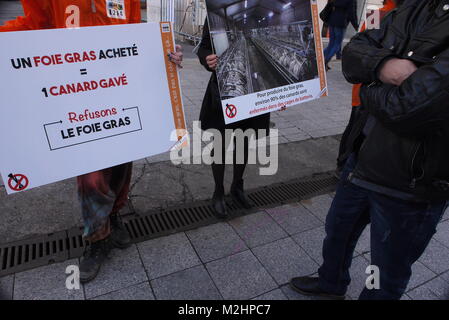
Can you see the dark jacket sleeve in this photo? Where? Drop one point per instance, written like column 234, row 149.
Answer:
column 419, row 105
column 353, row 15
column 344, row 4
column 205, row 48
column 365, row 53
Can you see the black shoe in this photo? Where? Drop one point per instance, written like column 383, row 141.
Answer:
column 219, row 205
column 238, row 194
column 93, row 258
column 119, row 237
column 309, row 286
column 327, row 67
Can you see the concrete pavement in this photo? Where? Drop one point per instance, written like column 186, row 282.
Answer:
column 251, row 257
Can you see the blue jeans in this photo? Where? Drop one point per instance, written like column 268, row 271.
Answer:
column 335, row 42
column 400, row 232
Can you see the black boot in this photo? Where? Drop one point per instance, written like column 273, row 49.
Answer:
column 238, row 194
column 219, row 205
column 309, row 286
column 119, row 237
column 93, row 258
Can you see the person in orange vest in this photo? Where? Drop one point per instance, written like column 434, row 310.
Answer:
column 103, row 193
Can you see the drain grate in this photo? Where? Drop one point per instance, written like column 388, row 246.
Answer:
column 58, row 247
column 31, row 253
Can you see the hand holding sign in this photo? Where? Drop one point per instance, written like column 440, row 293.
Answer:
column 212, row 61
column 177, row 57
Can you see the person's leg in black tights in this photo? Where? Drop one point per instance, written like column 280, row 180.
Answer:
column 218, row 171
column 218, row 168
column 239, row 168
column 237, row 188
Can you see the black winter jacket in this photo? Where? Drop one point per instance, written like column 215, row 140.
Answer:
column 407, row 151
column 344, row 11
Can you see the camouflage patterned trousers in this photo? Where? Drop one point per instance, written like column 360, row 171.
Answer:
column 103, row 193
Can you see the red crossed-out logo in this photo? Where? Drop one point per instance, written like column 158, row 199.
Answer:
column 231, row 111
column 18, row 182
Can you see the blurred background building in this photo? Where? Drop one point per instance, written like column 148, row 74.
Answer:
column 188, row 16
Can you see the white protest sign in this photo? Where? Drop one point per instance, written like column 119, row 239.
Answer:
column 81, row 100
column 266, row 63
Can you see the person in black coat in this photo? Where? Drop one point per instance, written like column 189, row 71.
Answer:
column 343, row 12
column 212, row 117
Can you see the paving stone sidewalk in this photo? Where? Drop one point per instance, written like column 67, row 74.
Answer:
column 251, row 257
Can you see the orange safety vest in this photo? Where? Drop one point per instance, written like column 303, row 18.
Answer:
column 50, row 14
column 388, row 6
